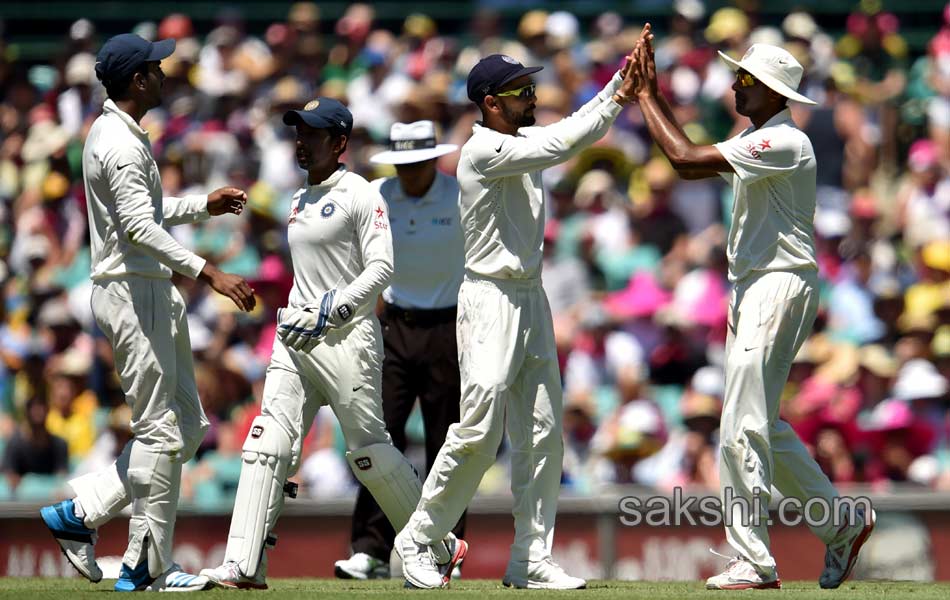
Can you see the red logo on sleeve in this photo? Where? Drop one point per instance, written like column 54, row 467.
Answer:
column 380, row 222
column 753, row 151
column 764, row 144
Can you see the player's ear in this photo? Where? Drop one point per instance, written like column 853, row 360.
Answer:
column 339, row 145
column 489, row 104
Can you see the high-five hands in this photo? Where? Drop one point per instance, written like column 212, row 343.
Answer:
column 645, row 65
column 631, row 71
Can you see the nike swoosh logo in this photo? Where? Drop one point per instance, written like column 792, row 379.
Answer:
column 357, row 388
column 750, row 349
column 122, row 167
column 498, row 149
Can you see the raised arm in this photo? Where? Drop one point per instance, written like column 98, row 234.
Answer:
column 691, row 161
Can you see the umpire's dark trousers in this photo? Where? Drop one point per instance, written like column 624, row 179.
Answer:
column 421, row 361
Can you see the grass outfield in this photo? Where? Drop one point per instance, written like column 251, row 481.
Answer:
column 474, row 589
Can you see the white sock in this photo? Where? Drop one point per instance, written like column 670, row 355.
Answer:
column 78, row 511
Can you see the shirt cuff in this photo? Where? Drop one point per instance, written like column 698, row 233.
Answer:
column 194, row 266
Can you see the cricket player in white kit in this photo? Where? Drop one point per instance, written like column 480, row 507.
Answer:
column 417, row 315
column 507, row 357
column 328, row 351
column 143, row 316
column 771, row 251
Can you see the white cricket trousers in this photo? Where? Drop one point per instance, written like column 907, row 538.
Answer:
column 770, row 316
column 508, row 364
column 145, row 321
column 343, row 371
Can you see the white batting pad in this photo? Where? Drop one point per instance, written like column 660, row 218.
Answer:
column 390, row 478
column 260, row 493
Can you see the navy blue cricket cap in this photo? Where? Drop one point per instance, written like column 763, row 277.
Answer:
column 492, row 73
column 123, row 54
column 322, row 113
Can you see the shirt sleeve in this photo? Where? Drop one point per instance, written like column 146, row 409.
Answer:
column 541, row 147
column 135, row 214
column 602, row 96
column 761, row 154
column 375, row 240
column 189, row 209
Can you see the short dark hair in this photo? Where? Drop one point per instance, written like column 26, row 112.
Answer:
column 118, row 89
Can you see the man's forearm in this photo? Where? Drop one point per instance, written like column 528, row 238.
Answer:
column 664, row 130
column 665, row 107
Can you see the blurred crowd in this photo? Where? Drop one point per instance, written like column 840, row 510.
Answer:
column 634, row 257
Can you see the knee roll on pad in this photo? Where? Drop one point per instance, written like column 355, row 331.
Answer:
column 390, row 478
column 266, row 457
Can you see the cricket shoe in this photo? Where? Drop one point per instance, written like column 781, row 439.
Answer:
column 172, row 580
column 75, row 539
column 540, row 575
column 419, row 565
column 449, row 556
column 842, row 553
column 361, row 566
column 229, row 575
column 740, row 574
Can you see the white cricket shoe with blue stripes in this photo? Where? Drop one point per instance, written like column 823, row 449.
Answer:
column 76, row 540
column 176, row 580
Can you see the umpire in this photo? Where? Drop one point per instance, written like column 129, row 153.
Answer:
column 418, row 320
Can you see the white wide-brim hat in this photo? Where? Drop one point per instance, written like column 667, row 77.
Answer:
column 773, row 66
column 412, row 143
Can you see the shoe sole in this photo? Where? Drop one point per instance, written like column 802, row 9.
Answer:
column 855, row 549
column 79, row 569
column 342, row 573
column 238, row 586
column 207, row 586
column 538, row 585
column 771, row 585
column 461, row 551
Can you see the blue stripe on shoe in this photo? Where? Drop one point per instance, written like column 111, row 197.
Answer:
column 63, row 523
column 131, row 580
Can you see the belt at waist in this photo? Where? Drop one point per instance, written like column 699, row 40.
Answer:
column 526, row 282
column 420, row 317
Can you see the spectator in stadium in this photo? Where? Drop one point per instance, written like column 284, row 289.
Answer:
column 33, row 449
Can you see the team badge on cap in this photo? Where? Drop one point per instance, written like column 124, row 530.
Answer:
column 312, row 105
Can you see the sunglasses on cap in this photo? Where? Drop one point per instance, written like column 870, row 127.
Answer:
column 525, row 91
column 745, row 79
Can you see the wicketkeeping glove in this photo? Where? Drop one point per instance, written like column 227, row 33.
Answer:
column 302, row 328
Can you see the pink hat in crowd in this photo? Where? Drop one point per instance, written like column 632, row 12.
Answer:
column 922, row 155
column 642, row 297
column 272, row 272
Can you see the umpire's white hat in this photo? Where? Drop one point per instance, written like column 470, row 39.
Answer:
column 412, row 143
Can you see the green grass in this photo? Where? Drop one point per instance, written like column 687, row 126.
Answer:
column 330, row 589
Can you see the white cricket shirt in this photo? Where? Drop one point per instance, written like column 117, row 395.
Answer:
column 339, row 239
column 127, row 214
column 774, row 198
column 428, row 248
column 501, row 195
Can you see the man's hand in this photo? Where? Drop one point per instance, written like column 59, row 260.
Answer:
column 226, row 200
column 631, row 85
column 645, row 65
column 232, row 286
column 302, row 328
